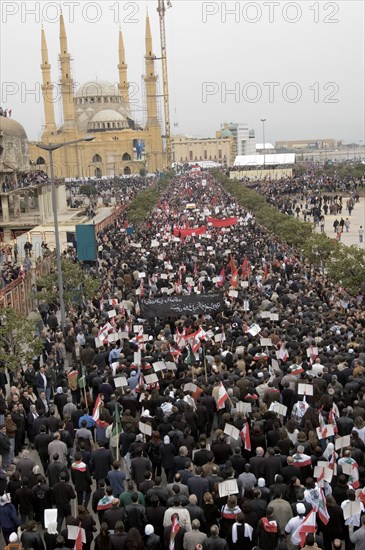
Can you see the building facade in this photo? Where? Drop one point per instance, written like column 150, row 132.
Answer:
column 244, row 138
column 100, row 109
column 187, row 149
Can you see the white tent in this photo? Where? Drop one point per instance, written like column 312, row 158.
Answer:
column 270, row 160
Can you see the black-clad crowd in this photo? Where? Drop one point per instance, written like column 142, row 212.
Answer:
column 250, row 433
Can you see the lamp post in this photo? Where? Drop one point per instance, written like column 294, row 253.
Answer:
column 263, row 120
column 50, row 148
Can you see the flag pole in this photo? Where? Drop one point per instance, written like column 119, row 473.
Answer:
column 83, row 370
column 117, row 435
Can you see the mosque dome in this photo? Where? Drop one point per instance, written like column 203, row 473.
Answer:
column 97, row 88
column 108, row 119
column 11, row 128
column 226, row 133
column 13, row 145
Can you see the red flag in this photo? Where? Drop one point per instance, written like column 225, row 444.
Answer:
column 308, row 525
column 266, row 272
column 222, row 277
column 245, row 436
column 244, row 267
column 234, row 273
column 78, row 541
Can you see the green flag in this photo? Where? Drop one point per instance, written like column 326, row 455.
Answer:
column 190, row 359
column 82, row 378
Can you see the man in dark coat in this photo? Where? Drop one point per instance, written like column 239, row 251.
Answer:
column 139, row 465
column 136, row 514
column 100, row 463
column 198, row 485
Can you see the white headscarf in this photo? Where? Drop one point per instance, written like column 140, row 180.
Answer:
column 329, row 450
column 248, row 531
column 52, row 528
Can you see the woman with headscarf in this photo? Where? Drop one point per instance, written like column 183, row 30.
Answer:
column 240, row 534
column 167, row 454
column 9, row 521
column 328, row 452
column 50, row 536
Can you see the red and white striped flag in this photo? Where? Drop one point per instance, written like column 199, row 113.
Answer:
column 308, row 525
column 96, row 410
column 301, row 460
column 322, row 508
column 221, row 396
column 245, row 436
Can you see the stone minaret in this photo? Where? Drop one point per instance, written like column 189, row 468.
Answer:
column 47, row 89
column 122, row 67
column 67, row 92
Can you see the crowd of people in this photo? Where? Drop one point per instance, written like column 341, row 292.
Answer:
column 26, row 179
column 231, row 417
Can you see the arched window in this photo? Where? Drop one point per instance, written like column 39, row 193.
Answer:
column 126, row 156
column 98, row 173
column 40, row 160
column 96, row 158
column 127, row 171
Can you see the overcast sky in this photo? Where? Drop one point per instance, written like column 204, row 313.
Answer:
column 299, row 64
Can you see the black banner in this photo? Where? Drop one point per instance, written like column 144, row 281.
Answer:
column 170, row 306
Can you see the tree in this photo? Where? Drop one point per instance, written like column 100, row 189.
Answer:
column 347, row 267
column 77, row 284
column 18, row 343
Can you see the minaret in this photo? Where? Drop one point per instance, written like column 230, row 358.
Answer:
column 47, row 88
column 69, row 123
column 155, row 148
column 122, row 67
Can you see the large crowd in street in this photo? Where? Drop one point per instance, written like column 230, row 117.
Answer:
column 211, row 396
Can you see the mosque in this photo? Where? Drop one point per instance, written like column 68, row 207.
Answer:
column 101, row 110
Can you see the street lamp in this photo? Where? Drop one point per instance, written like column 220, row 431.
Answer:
column 263, row 120
column 50, row 148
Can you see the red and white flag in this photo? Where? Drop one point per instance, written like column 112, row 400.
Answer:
column 175, row 528
column 245, row 436
column 308, row 525
column 221, row 396
column 322, row 508
column 222, row 277
column 301, row 460
column 78, row 541
column 96, row 410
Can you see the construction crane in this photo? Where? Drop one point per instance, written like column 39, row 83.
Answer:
column 161, row 12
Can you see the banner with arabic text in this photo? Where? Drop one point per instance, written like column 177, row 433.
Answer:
column 182, row 305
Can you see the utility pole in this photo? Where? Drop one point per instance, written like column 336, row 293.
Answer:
column 161, row 12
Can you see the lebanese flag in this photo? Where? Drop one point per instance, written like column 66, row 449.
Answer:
column 139, row 337
column 282, row 353
column 140, row 385
column 332, row 464
column 103, row 331
column 221, row 397
column 322, row 425
column 322, row 508
column 332, row 420
column 175, row 528
column 308, row 525
column 222, row 277
column 79, row 466
column 245, row 436
column 296, row 369
column 361, row 495
column 105, row 503
column 301, row 460
column 270, row 526
column 96, row 410
column 78, row 541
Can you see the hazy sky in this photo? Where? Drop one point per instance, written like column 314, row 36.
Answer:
column 299, row 64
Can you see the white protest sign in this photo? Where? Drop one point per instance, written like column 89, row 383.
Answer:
column 232, row 431
column 305, row 389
